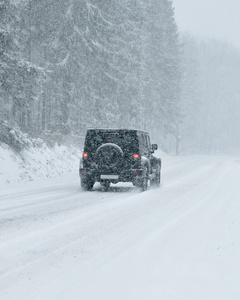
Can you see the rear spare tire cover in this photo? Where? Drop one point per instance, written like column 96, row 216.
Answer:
column 109, row 155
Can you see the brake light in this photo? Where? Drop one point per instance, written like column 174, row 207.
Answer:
column 85, row 155
column 136, row 155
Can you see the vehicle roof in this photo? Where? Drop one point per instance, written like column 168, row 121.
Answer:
column 116, row 130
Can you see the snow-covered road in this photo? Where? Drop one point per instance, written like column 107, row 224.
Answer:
column 178, row 242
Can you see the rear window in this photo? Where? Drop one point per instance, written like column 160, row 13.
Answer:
column 126, row 140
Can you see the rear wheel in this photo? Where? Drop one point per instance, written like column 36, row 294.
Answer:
column 144, row 182
column 87, row 184
column 155, row 182
column 105, row 185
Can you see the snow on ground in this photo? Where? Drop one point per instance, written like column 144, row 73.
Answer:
column 36, row 162
column 177, row 242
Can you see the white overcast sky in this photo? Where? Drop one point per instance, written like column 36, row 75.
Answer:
column 219, row 19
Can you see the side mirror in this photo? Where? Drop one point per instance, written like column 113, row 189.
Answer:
column 154, row 147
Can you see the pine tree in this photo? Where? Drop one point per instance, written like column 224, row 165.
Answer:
column 21, row 80
column 8, row 46
column 162, row 91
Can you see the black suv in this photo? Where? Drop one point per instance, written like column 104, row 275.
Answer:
column 119, row 155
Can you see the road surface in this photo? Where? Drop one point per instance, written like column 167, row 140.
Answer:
column 177, row 242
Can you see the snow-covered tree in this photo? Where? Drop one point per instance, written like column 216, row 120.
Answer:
column 93, row 63
column 20, row 80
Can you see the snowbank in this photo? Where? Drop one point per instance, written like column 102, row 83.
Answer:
column 36, row 162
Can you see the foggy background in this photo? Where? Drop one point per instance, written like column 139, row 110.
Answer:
column 217, row 19
column 171, row 68
column 211, row 42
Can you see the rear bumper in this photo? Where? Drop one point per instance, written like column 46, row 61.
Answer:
column 131, row 175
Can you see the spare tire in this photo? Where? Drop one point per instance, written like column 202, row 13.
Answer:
column 109, row 155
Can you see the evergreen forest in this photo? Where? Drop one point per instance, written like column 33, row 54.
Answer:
column 66, row 66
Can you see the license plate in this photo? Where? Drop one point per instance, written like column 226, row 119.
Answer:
column 109, row 176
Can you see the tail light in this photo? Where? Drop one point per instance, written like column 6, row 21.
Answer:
column 136, row 155
column 85, row 155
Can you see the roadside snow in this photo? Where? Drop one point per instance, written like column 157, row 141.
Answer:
column 36, row 162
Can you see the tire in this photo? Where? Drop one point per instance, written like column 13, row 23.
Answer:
column 109, row 155
column 155, row 182
column 105, row 185
column 144, row 182
column 86, row 185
